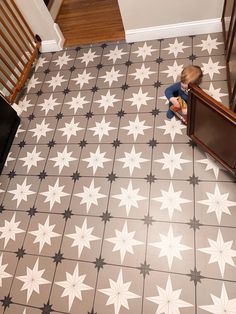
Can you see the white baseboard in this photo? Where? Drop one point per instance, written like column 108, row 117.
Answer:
column 53, row 44
column 174, row 30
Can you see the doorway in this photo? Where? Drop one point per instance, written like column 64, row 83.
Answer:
column 88, row 22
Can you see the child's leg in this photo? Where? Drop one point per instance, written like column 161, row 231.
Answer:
column 170, row 114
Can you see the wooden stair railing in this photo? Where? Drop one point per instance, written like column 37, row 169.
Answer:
column 18, row 50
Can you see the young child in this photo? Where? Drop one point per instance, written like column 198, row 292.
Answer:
column 190, row 74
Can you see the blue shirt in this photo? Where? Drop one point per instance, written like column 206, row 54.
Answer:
column 175, row 91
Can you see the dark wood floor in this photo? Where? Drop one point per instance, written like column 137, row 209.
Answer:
column 90, row 21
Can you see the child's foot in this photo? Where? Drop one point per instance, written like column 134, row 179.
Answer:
column 170, row 114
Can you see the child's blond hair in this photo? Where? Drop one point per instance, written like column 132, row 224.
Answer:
column 191, row 74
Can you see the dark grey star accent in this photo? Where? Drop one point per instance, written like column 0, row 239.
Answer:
column 51, row 143
column 148, row 220
column 39, row 93
column 194, row 224
column 116, row 143
column 76, row 176
column 20, row 253
column 42, row 175
column 152, row 143
column 99, row 66
column 83, row 143
column 66, row 91
column 94, row 89
column 106, row 216
column 121, row 113
column 58, row 257
column 22, row 144
column 47, row 308
column 32, row 211
column 124, row 87
column 31, row 117
column 195, row 276
column 192, row 144
column 72, row 68
column 144, row 269
column 46, row 71
column 155, row 112
column 1, row 208
column 67, row 214
column 89, row 114
column 161, row 39
column 59, row 116
column 12, row 174
column 112, row 177
column 159, row 60
column 103, row 46
column 193, row 180
column 92, row 312
column 150, row 178
column 77, row 49
column 192, row 36
column 192, row 57
column 6, row 302
column 128, row 63
column 99, row 263
column 157, row 84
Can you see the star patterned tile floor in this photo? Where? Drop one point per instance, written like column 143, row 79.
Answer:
column 107, row 207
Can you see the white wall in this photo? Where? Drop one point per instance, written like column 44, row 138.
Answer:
column 41, row 22
column 140, row 14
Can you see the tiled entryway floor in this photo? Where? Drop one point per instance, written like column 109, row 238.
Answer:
column 107, row 206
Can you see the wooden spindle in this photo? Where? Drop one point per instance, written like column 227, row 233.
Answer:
column 10, row 68
column 7, row 76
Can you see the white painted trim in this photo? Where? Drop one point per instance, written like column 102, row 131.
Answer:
column 174, row 30
column 53, row 44
column 55, row 8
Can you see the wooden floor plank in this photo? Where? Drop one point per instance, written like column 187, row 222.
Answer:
column 90, row 21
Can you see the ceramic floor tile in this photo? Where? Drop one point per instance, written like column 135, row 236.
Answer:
column 106, row 206
column 145, row 51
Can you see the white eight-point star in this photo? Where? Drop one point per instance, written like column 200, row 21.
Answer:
column 119, row 293
column 170, row 246
column 33, row 279
column 41, row 61
column 96, row 160
column 62, row 60
column 111, row 76
column 44, row 233
column 210, row 165
column 90, row 195
column 174, row 70
column 73, row 286
column 49, row 104
column 31, row 159
column 70, row 129
column 176, row 48
column 40, row 130
column 10, row 230
column 77, row 102
column 83, row 78
column 139, row 99
column 142, row 73
column 144, row 51
column 56, row 81
column 115, row 54
column 129, row 197
column 136, row 127
column 168, row 300
column 107, row 101
column 24, row 104
column 171, row 200
column 218, row 203
column 21, row 192
column 102, row 128
column 222, row 304
column 172, row 161
column 211, row 68
column 54, row 194
column 3, row 273
column 132, row 160
column 215, row 92
column 220, row 252
column 88, row 57
column 124, row 241
column 172, row 127
column 63, row 159
column 209, row 44
column 82, row 237
column 32, row 83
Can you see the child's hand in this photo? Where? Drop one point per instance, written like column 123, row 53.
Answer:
column 175, row 102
